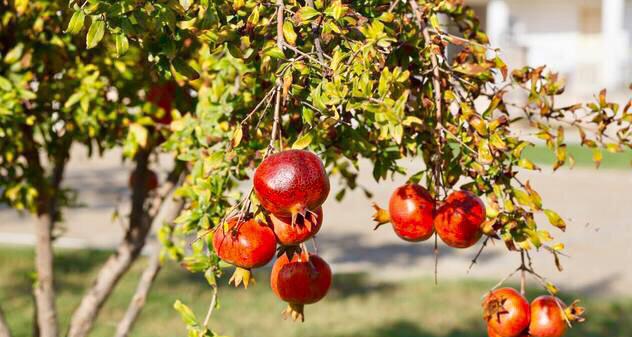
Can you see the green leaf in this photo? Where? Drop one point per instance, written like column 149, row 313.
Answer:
column 555, row 219
column 302, row 142
column 121, row 44
column 14, row 54
column 183, row 69
column 288, row 33
column 95, row 33
column 185, row 312
column 306, row 14
column 76, row 22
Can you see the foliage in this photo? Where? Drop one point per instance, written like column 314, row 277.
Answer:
column 355, row 80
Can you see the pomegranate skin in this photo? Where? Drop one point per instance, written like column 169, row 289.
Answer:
column 304, row 227
column 252, row 245
column 547, row 318
column 151, row 180
column 492, row 333
column 411, row 210
column 507, row 312
column 290, row 182
column 162, row 95
column 458, row 220
column 301, row 281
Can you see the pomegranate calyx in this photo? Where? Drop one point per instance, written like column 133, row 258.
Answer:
column 381, row 216
column 289, row 251
column 574, row 312
column 294, row 311
column 242, row 275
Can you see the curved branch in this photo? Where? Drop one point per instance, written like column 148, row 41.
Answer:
column 4, row 327
column 171, row 210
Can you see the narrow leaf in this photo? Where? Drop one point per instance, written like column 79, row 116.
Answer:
column 95, row 34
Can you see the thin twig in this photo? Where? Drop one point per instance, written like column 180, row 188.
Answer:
column 480, row 251
column 302, row 53
column 315, row 34
column 256, row 108
column 211, row 307
column 523, row 278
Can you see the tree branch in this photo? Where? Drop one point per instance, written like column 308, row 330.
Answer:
column 4, row 327
column 127, row 252
column 170, row 211
column 315, row 34
column 280, row 9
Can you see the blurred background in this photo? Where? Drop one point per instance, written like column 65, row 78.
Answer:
column 384, row 286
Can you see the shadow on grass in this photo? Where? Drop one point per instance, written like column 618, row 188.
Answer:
column 404, row 328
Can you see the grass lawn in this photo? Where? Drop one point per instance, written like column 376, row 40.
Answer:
column 542, row 156
column 355, row 307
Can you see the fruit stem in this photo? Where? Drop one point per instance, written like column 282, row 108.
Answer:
column 523, row 276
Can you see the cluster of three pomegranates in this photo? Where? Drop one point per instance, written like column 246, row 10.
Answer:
column 412, row 212
column 508, row 314
column 291, row 186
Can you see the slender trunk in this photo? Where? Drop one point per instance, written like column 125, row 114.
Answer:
column 4, row 327
column 128, row 251
column 172, row 209
column 44, row 289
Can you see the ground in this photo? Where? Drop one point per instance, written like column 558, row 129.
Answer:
column 357, row 306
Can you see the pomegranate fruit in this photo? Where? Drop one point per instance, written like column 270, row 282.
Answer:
column 291, row 182
column 303, row 279
column 411, row 211
column 151, row 180
column 162, row 96
column 492, row 333
column 249, row 244
column 547, row 317
column 506, row 312
column 458, row 220
column 303, row 229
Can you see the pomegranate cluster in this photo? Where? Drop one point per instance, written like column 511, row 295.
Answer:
column 508, row 314
column 415, row 217
column 291, row 186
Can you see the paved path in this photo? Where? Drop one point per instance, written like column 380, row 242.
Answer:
column 598, row 239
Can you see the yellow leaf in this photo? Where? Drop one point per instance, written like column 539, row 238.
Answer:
column 302, row 142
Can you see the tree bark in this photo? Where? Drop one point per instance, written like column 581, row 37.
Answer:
column 128, row 251
column 4, row 327
column 172, row 209
column 44, row 288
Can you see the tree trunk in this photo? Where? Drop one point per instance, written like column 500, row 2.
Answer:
column 171, row 211
column 43, row 289
column 128, row 251
column 4, row 327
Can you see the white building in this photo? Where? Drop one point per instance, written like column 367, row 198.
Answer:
column 588, row 41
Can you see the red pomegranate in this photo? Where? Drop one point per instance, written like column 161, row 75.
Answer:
column 506, row 312
column 458, row 220
column 151, row 180
column 250, row 244
column 303, row 280
column 291, row 182
column 492, row 333
column 547, row 317
column 162, row 96
column 411, row 210
column 303, row 229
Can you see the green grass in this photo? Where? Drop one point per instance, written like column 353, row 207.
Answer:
column 356, row 306
column 542, row 156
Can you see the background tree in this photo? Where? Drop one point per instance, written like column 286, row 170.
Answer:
column 350, row 80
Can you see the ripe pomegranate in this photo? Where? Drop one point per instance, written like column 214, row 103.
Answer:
column 492, row 333
column 305, row 279
column 547, row 317
column 303, row 229
column 249, row 244
column 411, row 211
column 458, row 221
column 506, row 312
column 291, row 182
column 162, row 96
column 151, row 180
